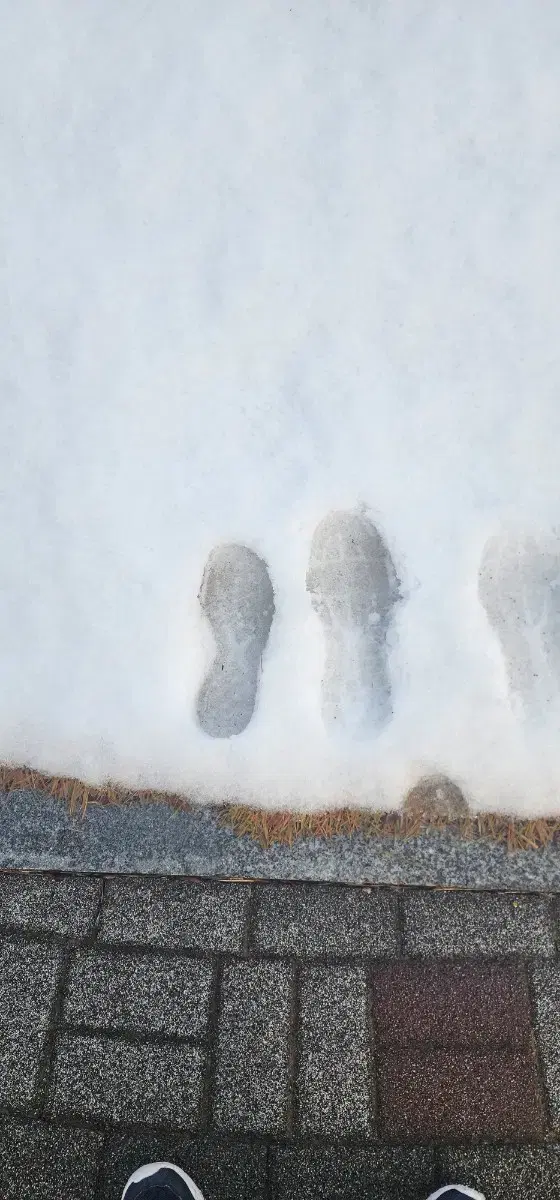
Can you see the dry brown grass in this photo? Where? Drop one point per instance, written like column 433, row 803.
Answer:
column 286, row 827
column 269, row 828
column 77, row 794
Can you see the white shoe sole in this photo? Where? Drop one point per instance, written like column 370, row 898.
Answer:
column 457, row 1187
column 152, row 1168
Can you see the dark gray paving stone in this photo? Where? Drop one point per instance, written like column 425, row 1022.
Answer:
column 145, row 993
column 311, row 920
column 63, row 904
column 546, row 984
column 355, row 1174
column 42, row 1162
column 28, row 980
column 334, row 1076
column 222, row 1170
column 505, row 1173
column 175, row 913
column 118, row 1081
column 466, row 923
column 252, row 1064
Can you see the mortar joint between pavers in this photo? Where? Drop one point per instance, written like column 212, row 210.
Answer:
column 46, row 1065
column 212, row 1033
column 372, row 1034
column 250, row 922
column 536, row 1047
column 294, row 1050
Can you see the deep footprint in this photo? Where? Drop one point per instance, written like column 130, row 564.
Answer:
column 353, row 588
column 519, row 587
column 237, row 598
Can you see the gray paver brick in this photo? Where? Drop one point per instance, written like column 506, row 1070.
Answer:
column 222, row 1170
column 40, row 1162
column 311, row 920
column 505, row 1173
column 334, row 1079
column 63, row 904
column 252, row 1064
column 175, row 913
column 28, row 979
column 120, row 1081
column 146, row 993
column 462, row 923
column 546, row 984
column 357, row 1174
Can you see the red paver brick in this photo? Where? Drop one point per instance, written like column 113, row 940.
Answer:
column 426, row 1094
column 451, row 1005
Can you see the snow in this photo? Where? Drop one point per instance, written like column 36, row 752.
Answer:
column 261, row 263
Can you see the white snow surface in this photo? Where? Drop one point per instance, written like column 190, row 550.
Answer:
column 261, row 261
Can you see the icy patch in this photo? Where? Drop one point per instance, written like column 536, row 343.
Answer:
column 519, row 586
column 353, row 588
column 237, row 597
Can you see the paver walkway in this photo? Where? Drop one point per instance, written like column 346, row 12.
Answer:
column 277, row 1040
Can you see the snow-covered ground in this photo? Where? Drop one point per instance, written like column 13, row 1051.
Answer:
column 262, row 263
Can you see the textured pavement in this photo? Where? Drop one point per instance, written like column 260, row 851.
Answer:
column 280, row 1041
column 38, row 832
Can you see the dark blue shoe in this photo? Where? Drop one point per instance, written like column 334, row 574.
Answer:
column 161, row 1181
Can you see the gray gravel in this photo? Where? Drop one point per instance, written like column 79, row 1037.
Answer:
column 139, row 992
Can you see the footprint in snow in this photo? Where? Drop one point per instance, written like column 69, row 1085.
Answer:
column 519, row 587
column 353, row 588
column 238, row 600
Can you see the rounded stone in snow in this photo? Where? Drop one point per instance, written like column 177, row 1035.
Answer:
column 436, row 796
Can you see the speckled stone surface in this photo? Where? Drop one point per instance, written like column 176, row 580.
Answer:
column 49, row 904
column 334, row 1084
column 312, row 921
column 37, row 832
column 451, row 1004
column 173, row 914
column 354, row 1174
column 45, row 1162
column 505, row 1173
column 252, row 1057
column 117, row 1081
column 28, row 979
column 546, row 984
column 140, row 993
column 460, row 923
column 435, row 1094
column 270, row 1056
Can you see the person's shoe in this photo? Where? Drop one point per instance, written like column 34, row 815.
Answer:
column 161, row 1181
column 456, row 1191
